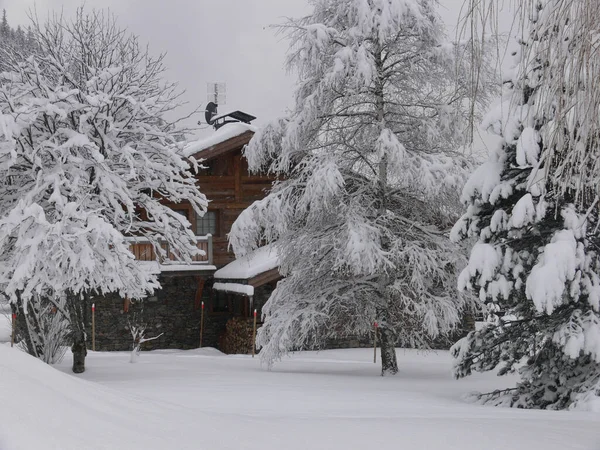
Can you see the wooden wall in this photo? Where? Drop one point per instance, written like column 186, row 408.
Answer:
column 230, row 189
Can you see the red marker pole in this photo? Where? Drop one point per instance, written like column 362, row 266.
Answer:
column 375, row 343
column 254, row 336
column 201, row 324
column 93, row 327
column 14, row 329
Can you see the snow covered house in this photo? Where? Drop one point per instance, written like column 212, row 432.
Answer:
column 229, row 288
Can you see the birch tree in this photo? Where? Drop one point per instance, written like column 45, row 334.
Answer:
column 86, row 158
column 370, row 174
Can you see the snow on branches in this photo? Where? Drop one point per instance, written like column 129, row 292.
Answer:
column 86, row 157
column 370, row 180
column 536, row 262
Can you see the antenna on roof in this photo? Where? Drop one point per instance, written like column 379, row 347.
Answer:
column 216, row 94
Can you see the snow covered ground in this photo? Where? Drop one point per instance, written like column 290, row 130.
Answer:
column 201, row 399
column 5, row 325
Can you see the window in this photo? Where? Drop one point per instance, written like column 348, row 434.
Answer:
column 207, row 224
column 221, row 302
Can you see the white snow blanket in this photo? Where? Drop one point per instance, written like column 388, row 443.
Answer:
column 5, row 324
column 248, row 266
column 201, row 399
column 226, row 132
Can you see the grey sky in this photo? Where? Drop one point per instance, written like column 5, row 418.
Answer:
column 212, row 40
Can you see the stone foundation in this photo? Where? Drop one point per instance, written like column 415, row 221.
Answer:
column 172, row 311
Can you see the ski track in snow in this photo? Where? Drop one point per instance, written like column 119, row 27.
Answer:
column 202, row 399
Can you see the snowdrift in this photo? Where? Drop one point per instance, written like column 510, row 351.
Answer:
column 204, row 400
column 43, row 409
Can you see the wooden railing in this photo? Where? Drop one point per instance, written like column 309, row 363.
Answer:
column 143, row 250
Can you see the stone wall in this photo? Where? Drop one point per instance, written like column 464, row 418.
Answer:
column 171, row 311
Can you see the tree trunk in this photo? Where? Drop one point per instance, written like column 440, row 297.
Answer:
column 77, row 307
column 79, row 352
column 389, row 363
column 387, row 341
column 28, row 328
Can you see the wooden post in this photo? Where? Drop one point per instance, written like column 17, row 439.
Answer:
column 254, row 336
column 375, row 344
column 14, row 329
column 201, row 323
column 93, row 327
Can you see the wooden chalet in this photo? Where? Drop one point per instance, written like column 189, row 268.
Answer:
column 176, row 309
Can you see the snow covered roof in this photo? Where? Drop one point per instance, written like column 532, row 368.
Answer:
column 259, row 261
column 243, row 289
column 156, row 268
column 223, row 134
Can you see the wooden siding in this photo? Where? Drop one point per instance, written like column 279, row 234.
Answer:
column 230, row 189
column 229, row 194
column 144, row 251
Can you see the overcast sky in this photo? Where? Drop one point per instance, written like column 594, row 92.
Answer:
column 212, row 40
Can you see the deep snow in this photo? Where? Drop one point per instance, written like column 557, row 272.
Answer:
column 5, row 323
column 201, row 399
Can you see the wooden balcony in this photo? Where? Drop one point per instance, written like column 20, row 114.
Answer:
column 143, row 250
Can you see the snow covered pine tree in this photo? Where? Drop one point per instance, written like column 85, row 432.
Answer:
column 86, row 158
column 370, row 178
column 534, row 209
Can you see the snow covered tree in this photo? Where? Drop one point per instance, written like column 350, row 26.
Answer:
column 11, row 42
column 534, row 209
column 43, row 330
column 86, row 158
column 5, row 30
column 370, row 180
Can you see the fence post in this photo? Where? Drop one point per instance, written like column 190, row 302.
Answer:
column 14, row 329
column 201, row 324
column 93, row 327
column 210, row 249
column 254, row 336
column 375, row 343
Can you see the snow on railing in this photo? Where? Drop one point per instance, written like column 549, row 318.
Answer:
column 143, row 250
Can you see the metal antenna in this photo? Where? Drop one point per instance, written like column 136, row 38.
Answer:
column 216, row 93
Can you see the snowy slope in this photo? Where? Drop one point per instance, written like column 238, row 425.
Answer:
column 201, row 399
column 44, row 409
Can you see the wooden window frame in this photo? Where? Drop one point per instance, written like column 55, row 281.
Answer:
column 217, row 213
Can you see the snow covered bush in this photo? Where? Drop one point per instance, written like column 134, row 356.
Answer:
column 43, row 329
column 370, row 180
column 534, row 209
column 87, row 157
column 137, row 328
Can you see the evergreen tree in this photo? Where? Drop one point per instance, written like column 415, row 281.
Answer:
column 536, row 264
column 370, row 178
column 20, row 38
column 5, row 31
column 30, row 39
column 87, row 158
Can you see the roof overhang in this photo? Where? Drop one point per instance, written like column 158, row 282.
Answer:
column 246, row 287
column 227, row 146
